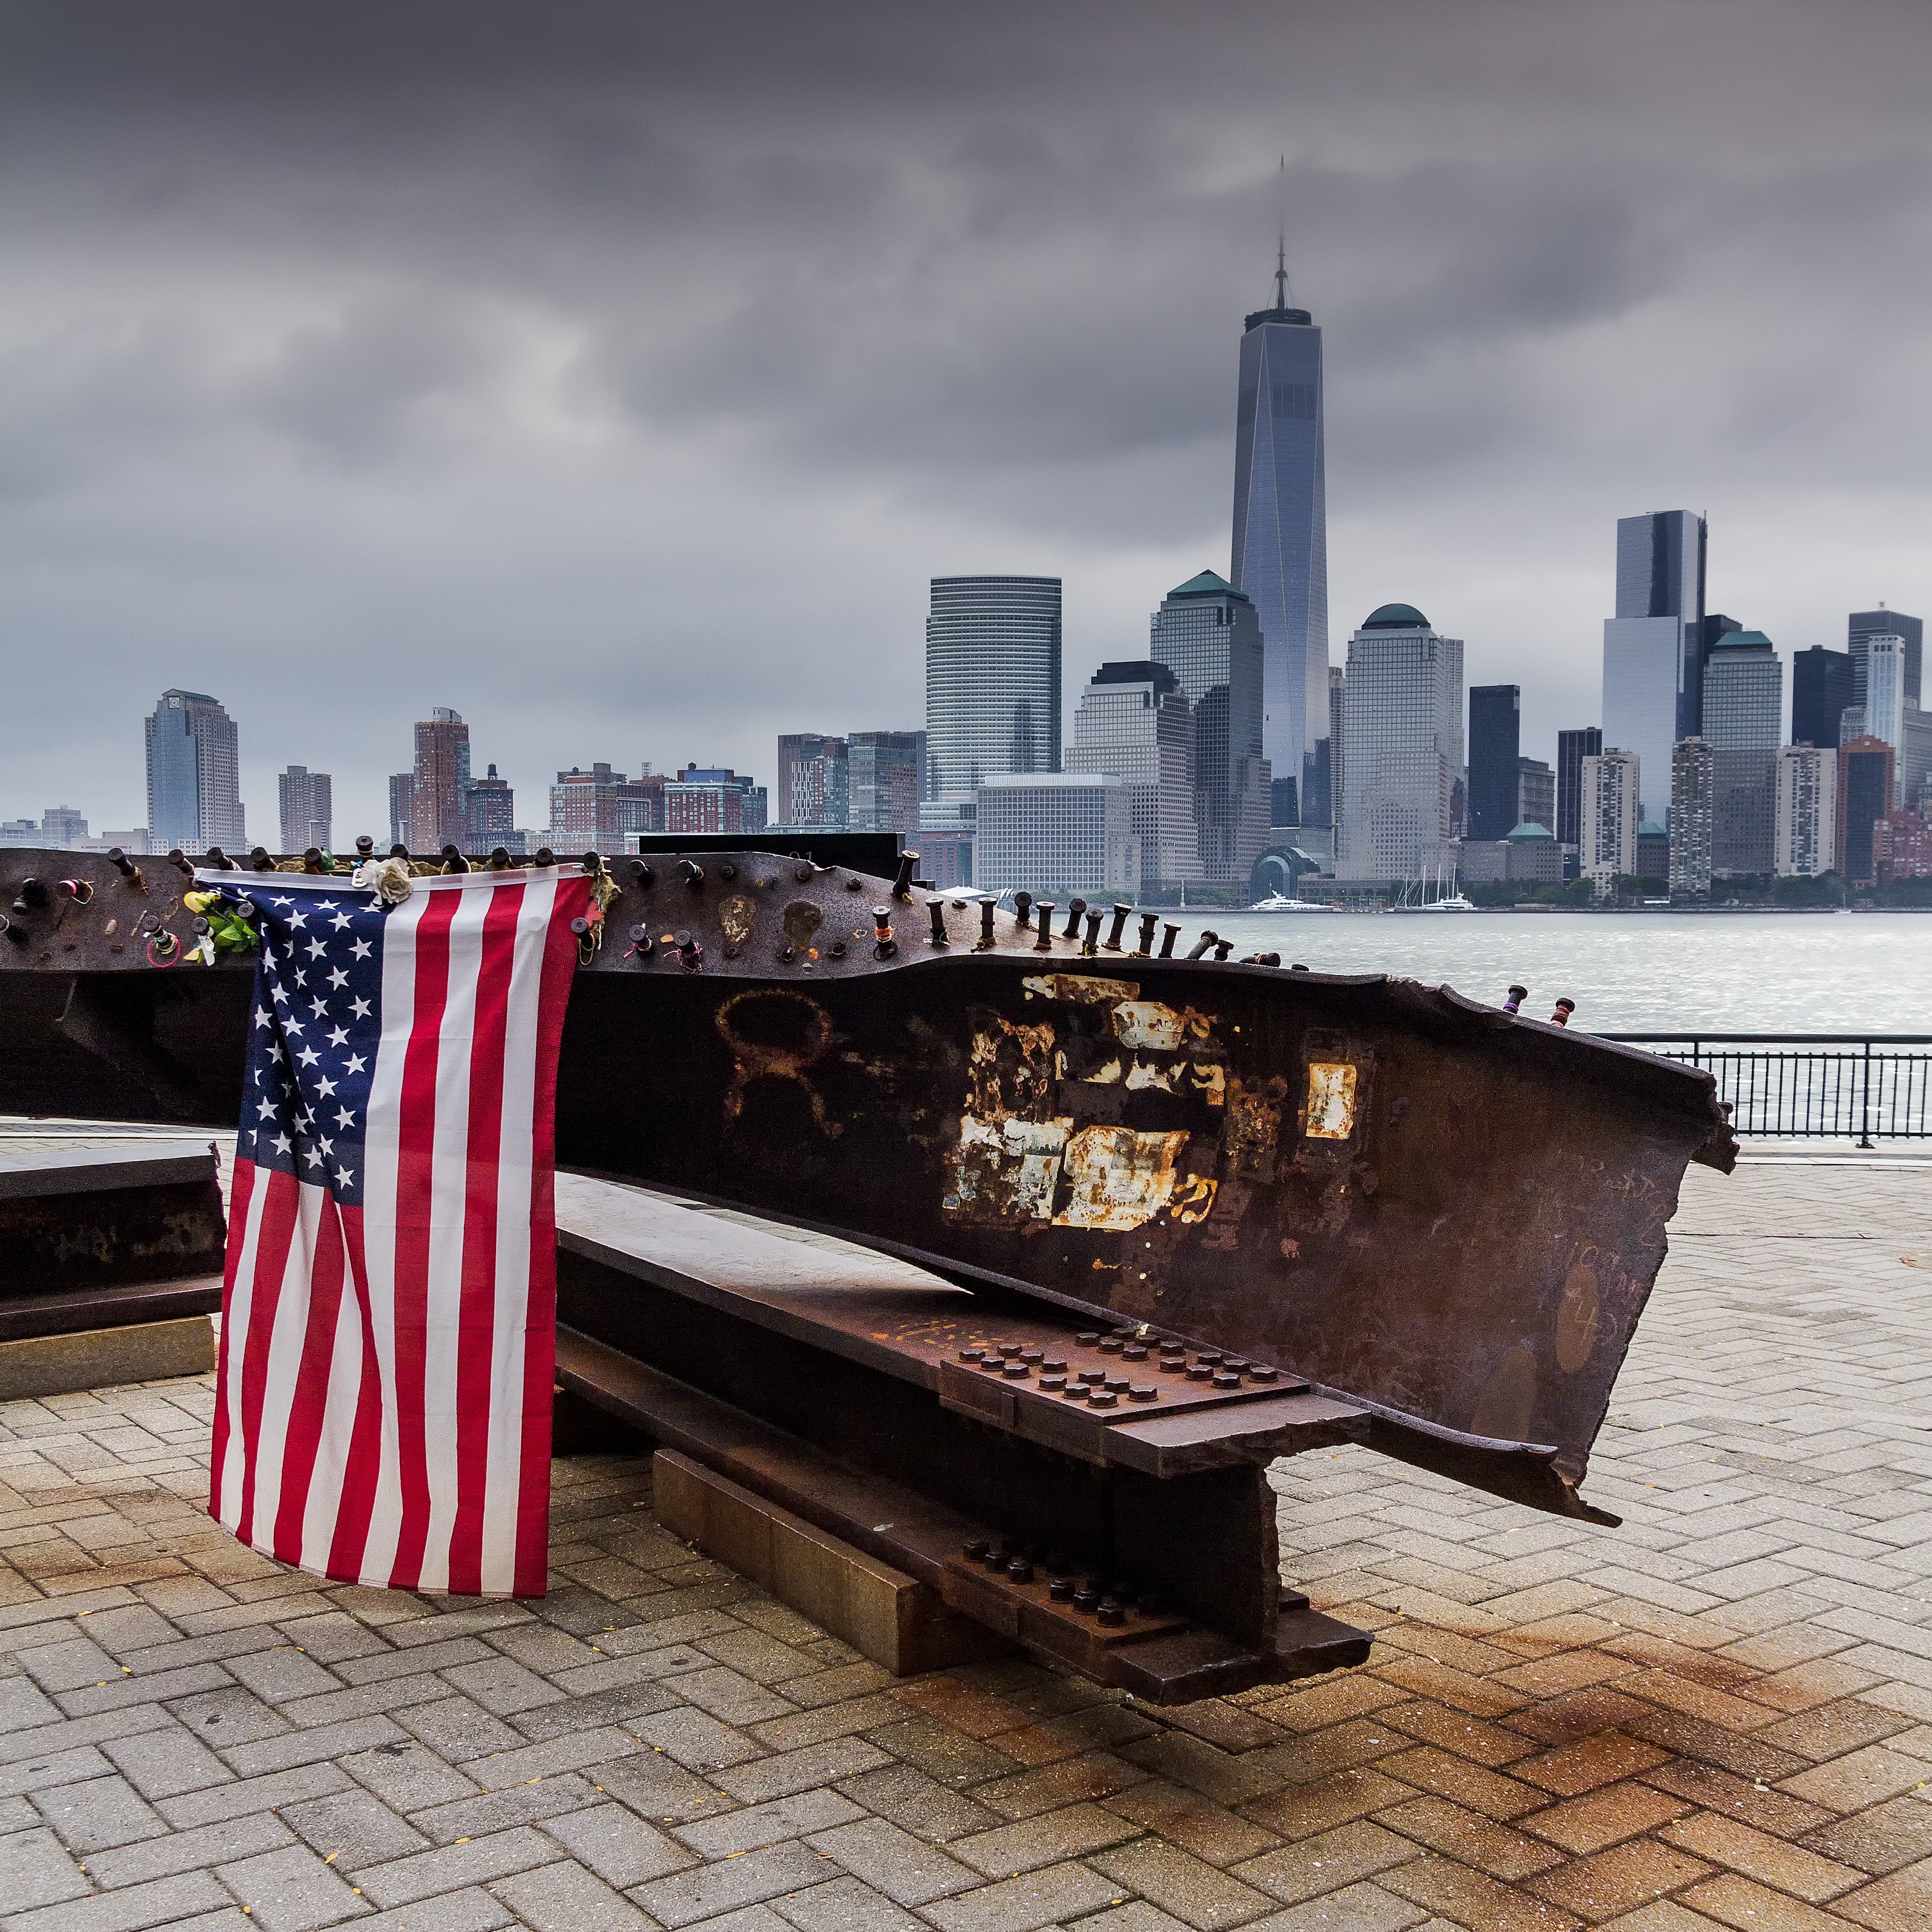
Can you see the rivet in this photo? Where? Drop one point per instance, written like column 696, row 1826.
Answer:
column 1259, row 1374
column 1110, row 1345
column 1133, row 1352
column 1087, row 1597
column 1223, row 1380
column 1102, row 1398
column 1060, row 1590
column 1094, row 1376
column 1020, row 1570
column 1111, row 1612
column 1087, row 1337
column 1199, row 1372
column 972, row 1354
column 1144, row 1392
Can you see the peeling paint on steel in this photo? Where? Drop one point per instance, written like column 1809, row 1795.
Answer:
column 1006, row 1170
column 1118, row 1179
column 1146, row 1023
column 1081, row 987
column 1331, row 1100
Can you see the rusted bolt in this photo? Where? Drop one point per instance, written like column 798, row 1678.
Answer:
column 33, row 896
column 692, row 872
column 836, row 950
column 499, row 858
column 1093, row 1376
column 1145, row 949
column 122, row 864
column 1075, row 907
column 802, row 874
column 642, row 876
column 1090, row 945
column 1172, row 1363
column 1121, row 914
column 883, row 944
column 1517, row 994
column 986, row 940
column 972, row 1354
column 936, row 912
column 1144, row 1392
column 1087, row 1597
column 78, row 890
column 1199, row 1372
column 261, row 860
column 1168, row 934
column 1019, row 1571
column 1033, row 1354
column 218, row 861
column 1134, row 1351
column 1045, row 942
column 1223, row 947
column 545, row 856
column 1565, row 1008
column 1212, row 1356
column 1017, row 1369
column 1053, row 1365
column 365, row 846
column 12, row 931
column 1111, row 1612
column 179, row 860
column 1236, row 1362
column 1102, row 1398
column 1074, row 1391
column 1260, row 1374
column 1060, row 1590
column 1118, row 1384
column 690, row 950
column 642, row 943
column 1087, row 1337
column 1204, row 944
column 592, row 862
column 1111, row 1345
column 855, row 885
column 975, row 1551
column 728, row 870
column 902, row 883
column 1225, row 1378
column 1052, row 1384
column 1023, row 909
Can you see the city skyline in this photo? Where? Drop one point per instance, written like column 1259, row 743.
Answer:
column 504, row 462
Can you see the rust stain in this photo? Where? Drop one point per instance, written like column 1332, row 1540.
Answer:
column 1194, row 1198
column 1117, row 1178
column 1577, row 1319
column 1209, row 1080
column 1143, row 1074
column 802, row 920
column 758, row 1060
column 1081, row 988
column 1331, row 1100
column 1254, row 1126
column 1010, row 1071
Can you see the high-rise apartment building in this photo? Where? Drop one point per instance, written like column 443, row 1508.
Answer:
column 1206, row 634
column 992, row 687
column 1882, row 623
column 1607, row 817
column 1535, row 794
column 1744, row 719
column 442, row 779
column 194, row 776
column 1328, row 753
column 1866, row 781
column 1055, row 833
column 1805, row 798
column 490, row 818
column 1653, row 647
column 1823, row 686
column 1402, row 736
column 1901, row 847
column 402, row 809
column 1572, row 749
column 1134, row 723
column 62, row 828
column 1495, row 747
column 812, row 788
column 714, row 798
column 1280, row 557
column 602, row 809
column 1693, row 813
column 1878, row 670
column 882, row 773
column 307, row 811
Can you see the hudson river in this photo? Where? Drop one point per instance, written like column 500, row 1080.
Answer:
column 1628, row 972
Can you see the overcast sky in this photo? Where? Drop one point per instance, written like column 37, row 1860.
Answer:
column 620, row 374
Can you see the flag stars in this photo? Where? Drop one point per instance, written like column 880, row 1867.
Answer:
column 282, row 1144
column 278, row 993
column 342, row 1176
column 262, row 1016
column 340, row 922
column 266, row 1110
column 359, row 1009
column 344, row 1118
column 355, row 1064
column 316, row 950
column 337, row 978
column 318, row 1006
column 312, row 1156
column 338, row 1036
column 324, row 1087
column 361, row 949
column 308, row 1056
column 296, row 919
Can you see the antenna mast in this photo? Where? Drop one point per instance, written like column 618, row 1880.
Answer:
column 1281, row 237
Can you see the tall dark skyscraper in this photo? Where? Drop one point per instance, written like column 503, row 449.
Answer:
column 1653, row 647
column 992, row 687
column 1572, row 749
column 1883, row 623
column 1281, row 536
column 194, row 796
column 1495, row 745
column 1821, row 688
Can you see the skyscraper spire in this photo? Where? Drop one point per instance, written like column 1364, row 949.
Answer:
column 1281, row 237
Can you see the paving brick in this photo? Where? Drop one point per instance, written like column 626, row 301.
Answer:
column 950, row 1756
column 353, row 1829
column 1191, row 1889
column 1024, row 1904
column 652, row 1785
column 133, row 1909
column 1880, row 1840
column 1901, row 1903
column 1605, row 1817
column 222, row 1719
column 163, row 1763
column 311, row 1746
column 188, row 1851
column 1500, row 1850
column 1749, row 1907
column 459, row 1728
column 242, row 1796
column 565, row 1898
column 710, row 1890
column 100, row 1812
column 451, row 1867
column 291, row 1891
column 1860, row 1778
column 1209, row 1831
column 698, row 1741
column 36, row 1870
column 496, row 1811
column 747, row 1830
column 842, row 1905
column 906, row 1869
column 786, row 1772
column 618, row 1845
column 1618, row 1880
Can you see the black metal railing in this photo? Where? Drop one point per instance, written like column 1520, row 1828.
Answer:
column 1865, row 1088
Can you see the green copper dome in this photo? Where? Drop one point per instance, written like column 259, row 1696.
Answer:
column 1396, row 617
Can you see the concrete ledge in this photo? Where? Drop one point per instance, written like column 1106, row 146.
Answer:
column 901, row 1624
column 102, row 1357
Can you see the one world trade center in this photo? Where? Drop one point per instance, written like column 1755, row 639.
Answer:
column 1281, row 541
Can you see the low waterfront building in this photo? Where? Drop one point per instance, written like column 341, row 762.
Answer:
column 945, row 859
column 1865, row 795
column 1535, row 794
column 1608, row 817
column 1902, row 847
column 600, row 809
column 1653, row 853
column 1530, row 855
column 1135, row 722
column 1804, row 787
column 1051, row 833
column 1693, row 803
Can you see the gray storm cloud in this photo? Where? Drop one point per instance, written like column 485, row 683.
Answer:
column 618, row 374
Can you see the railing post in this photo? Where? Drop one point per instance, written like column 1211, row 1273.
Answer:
column 1864, row 1102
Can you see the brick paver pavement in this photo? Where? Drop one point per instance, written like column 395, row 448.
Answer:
column 1719, row 1715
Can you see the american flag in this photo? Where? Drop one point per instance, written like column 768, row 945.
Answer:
column 388, row 1318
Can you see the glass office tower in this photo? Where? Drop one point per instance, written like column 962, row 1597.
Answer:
column 1884, row 623
column 1281, row 537
column 1495, row 751
column 1653, row 647
column 992, row 688
column 194, row 776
